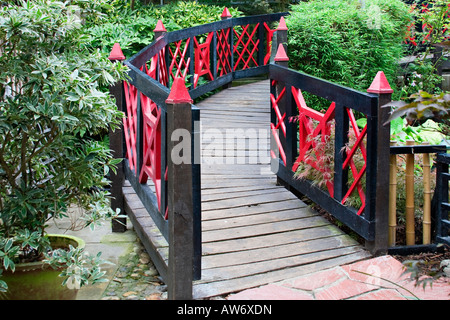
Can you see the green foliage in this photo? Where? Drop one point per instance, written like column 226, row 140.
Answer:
column 254, row 7
column 423, row 105
column 345, row 42
column 133, row 29
column 52, row 99
column 80, row 267
column 435, row 21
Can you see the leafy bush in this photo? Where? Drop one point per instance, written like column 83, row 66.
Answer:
column 345, row 42
column 51, row 98
column 133, row 29
column 433, row 20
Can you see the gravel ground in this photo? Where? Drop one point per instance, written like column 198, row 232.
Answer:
column 136, row 279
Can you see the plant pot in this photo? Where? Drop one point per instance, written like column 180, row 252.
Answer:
column 37, row 280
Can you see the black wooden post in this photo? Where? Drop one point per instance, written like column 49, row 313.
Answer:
column 284, row 106
column 380, row 244
column 179, row 117
column 116, row 146
column 225, row 16
column 159, row 31
column 282, row 33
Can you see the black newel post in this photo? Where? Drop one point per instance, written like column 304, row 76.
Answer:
column 116, row 145
column 181, row 250
column 379, row 246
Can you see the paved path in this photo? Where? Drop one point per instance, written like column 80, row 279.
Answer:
column 381, row 279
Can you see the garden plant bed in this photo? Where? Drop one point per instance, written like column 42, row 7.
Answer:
column 428, row 262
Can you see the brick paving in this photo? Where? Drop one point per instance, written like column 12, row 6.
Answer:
column 384, row 281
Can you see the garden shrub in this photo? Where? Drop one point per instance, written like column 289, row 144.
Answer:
column 52, row 98
column 133, row 29
column 346, row 42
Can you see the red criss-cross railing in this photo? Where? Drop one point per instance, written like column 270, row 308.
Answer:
column 303, row 137
column 180, row 61
column 203, row 59
column 223, row 52
column 350, row 163
column 130, row 123
column 246, row 47
column 307, row 134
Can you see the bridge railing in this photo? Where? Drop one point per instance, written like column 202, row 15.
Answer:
column 348, row 159
column 157, row 103
column 342, row 164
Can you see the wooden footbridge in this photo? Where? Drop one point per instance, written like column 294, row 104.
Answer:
column 210, row 188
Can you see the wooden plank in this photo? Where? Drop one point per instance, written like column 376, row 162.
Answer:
column 248, row 220
column 240, row 194
column 265, row 241
column 235, row 259
column 225, row 190
column 255, row 209
column 261, row 229
column 248, row 201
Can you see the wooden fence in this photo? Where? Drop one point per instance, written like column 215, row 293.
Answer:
column 407, row 159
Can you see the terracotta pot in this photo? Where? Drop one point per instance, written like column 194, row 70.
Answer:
column 38, row 281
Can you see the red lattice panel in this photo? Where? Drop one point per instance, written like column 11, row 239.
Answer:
column 202, row 59
column 246, row 47
column 275, row 128
column 307, row 133
column 130, row 123
column 151, row 118
column 151, row 166
column 350, row 163
column 269, row 37
column 223, row 52
column 179, row 66
column 157, row 69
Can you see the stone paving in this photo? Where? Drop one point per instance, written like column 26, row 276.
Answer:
column 379, row 278
column 136, row 278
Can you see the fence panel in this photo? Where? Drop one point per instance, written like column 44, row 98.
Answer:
column 342, row 153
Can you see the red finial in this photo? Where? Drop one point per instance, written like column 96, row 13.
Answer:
column 159, row 27
column 226, row 13
column 179, row 92
column 282, row 25
column 116, row 53
column 380, row 84
column 281, row 54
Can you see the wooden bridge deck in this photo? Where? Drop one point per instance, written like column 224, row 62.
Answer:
column 253, row 231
